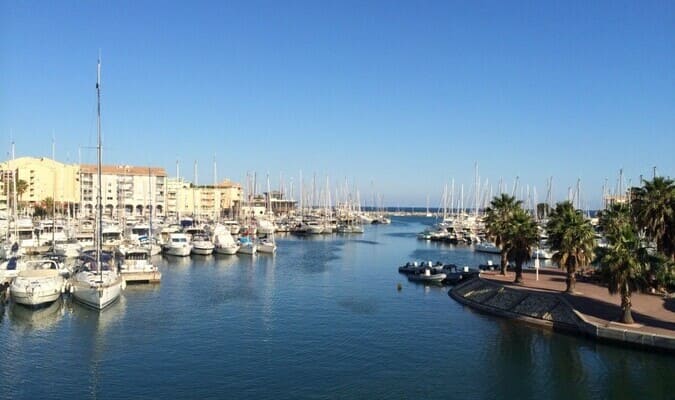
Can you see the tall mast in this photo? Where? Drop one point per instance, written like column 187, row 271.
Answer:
column 14, row 197
column 99, row 197
column 151, row 194
column 477, row 189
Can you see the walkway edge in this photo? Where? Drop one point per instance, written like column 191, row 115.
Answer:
column 496, row 299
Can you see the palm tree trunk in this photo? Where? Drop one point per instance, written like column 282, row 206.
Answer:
column 504, row 262
column 571, row 280
column 626, row 315
column 519, row 272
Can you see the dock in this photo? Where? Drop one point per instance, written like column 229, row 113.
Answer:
column 142, row 277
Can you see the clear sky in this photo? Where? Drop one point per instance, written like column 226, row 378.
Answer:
column 398, row 97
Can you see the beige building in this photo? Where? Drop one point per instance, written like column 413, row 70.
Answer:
column 126, row 190
column 44, row 178
column 203, row 202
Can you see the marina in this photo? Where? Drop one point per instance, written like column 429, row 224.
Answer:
column 337, row 200
column 307, row 322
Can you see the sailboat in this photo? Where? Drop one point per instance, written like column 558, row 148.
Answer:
column 96, row 282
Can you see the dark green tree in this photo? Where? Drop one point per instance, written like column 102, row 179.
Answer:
column 497, row 219
column 653, row 206
column 521, row 237
column 572, row 239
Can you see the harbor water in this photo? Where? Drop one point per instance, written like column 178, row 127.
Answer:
column 321, row 319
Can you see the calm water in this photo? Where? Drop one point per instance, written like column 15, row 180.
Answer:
column 320, row 319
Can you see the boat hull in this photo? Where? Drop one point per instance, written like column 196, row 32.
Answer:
column 98, row 297
column 35, row 298
column 227, row 250
column 248, row 249
column 178, row 251
column 268, row 248
column 202, row 251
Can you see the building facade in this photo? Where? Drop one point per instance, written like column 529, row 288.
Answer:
column 37, row 180
column 202, row 202
column 126, row 191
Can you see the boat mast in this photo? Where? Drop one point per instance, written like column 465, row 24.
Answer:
column 99, row 199
column 14, row 198
column 151, row 194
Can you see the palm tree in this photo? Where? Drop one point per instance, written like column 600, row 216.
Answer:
column 571, row 238
column 614, row 218
column 497, row 218
column 624, row 264
column 654, row 209
column 522, row 235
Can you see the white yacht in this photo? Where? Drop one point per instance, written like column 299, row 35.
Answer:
column 40, row 282
column 267, row 244
column 10, row 268
column 247, row 246
column 224, row 242
column 178, row 244
column 266, row 226
column 96, row 284
column 487, row 247
column 202, row 244
column 69, row 248
column 314, row 227
column 112, row 235
column 136, row 266
column 233, row 226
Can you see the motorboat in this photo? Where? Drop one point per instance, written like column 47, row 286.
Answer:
column 136, row 266
column 10, row 268
column 224, row 243
column 487, row 247
column 177, row 245
column 233, row 226
column 41, row 282
column 410, row 268
column 202, row 244
column 111, row 235
column 69, row 248
column 426, row 275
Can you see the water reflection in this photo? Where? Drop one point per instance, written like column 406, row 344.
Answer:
column 36, row 319
column 225, row 261
column 99, row 320
column 95, row 339
column 177, row 262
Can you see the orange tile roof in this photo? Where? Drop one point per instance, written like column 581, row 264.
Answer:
column 128, row 170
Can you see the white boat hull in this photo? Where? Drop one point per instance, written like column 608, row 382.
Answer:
column 250, row 249
column 182, row 251
column 36, row 295
column 229, row 250
column 98, row 297
column 202, row 251
column 268, row 248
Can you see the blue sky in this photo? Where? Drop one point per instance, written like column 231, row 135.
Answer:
column 397, row 97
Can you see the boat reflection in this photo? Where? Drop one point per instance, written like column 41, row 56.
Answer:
column 224, row 261
column 36, row 319
column 177, row 262
column 102, row 318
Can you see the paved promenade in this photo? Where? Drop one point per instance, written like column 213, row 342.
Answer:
column 653, row 314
